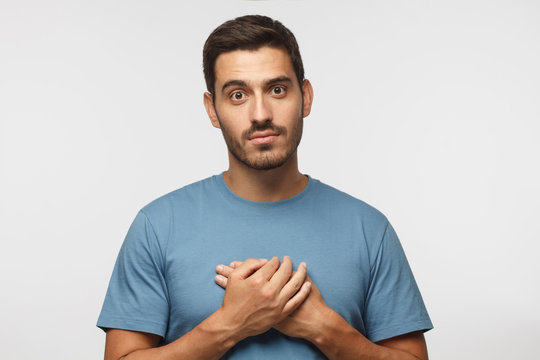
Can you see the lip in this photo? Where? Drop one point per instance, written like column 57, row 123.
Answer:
column 265, row 137
column 262, row 135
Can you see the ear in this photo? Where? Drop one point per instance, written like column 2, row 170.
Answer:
column 308, row 97
column 210, row 109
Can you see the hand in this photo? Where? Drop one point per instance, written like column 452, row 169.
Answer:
column 316, row 322
column 261, row 293
column 305, row 321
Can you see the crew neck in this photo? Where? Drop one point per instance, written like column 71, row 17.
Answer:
column 228, row 193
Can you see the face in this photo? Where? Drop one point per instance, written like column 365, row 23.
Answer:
column 259, row 106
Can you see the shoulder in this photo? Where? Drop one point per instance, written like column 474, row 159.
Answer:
column 180, row 202
column 348, row 204
column 352, row 214
column 184, row 195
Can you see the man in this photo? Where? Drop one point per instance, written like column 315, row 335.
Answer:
column 351, row 295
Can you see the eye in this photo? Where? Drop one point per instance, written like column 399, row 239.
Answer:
column 238, row 96
column 278, row 90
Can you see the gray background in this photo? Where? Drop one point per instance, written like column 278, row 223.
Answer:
column 428, row 110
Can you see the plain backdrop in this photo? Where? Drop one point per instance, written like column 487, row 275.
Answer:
column 427, row 110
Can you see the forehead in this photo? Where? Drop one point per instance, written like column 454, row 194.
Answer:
column 253, row 66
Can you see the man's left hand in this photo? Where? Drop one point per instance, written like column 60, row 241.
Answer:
column 316, row 322
column 302, row 323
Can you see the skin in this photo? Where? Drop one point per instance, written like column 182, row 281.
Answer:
column 253, row 74
column 316, row 322
column 259, row 294
column 259, row 106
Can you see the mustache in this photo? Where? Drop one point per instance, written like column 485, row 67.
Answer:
column 267, row 125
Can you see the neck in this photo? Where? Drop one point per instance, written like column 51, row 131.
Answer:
column 265, row 185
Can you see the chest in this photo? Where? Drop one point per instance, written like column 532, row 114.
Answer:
column 335, row 255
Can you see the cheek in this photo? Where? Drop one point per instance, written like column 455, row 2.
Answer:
column 237, row 116
column 231, row 118
column 232, row 131
column 287, row 110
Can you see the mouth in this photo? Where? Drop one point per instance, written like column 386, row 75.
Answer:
column 265, row 137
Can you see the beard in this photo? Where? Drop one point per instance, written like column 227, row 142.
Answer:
column 265, row 156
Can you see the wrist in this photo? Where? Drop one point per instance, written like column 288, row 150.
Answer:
column 336, row 337
column 333, row 332
column 320, row 334
column 218, row 327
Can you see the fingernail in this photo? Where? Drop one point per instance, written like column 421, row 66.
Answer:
column 219, row 268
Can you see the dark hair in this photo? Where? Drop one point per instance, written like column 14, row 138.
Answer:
column 249, row 32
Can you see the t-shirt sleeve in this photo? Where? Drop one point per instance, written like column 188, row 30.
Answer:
column 137, row 297
column 394, row 305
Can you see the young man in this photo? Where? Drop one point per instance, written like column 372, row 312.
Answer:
column 352, row 295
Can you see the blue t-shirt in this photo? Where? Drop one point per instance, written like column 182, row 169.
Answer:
column 163, row 279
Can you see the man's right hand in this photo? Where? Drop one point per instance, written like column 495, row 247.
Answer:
column 261, row 293
column 305, row 321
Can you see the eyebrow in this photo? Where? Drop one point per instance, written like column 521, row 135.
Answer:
column 279, row 79
column 233, row 83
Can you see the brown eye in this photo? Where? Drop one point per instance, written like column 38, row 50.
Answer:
column 237, row 95
column 278, row 90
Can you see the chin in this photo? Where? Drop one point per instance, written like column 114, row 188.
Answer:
column 267, row 161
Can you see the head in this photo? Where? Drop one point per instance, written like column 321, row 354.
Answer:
column 249, row 32
column 257, row 95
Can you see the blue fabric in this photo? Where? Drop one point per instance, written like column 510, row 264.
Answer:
column 163, row 280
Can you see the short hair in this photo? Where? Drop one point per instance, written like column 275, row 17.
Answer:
column 249, row 32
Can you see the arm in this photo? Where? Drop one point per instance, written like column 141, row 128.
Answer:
column 339, row 340
column 140, row 345
column 208, row 340
column 316, row 322
column 260, row 294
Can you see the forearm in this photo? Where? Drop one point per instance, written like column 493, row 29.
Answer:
column 208, row 340
column 337, row 339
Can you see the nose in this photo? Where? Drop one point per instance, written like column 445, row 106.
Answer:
column 260, row 110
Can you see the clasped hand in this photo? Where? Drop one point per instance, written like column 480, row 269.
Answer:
column 261, row 294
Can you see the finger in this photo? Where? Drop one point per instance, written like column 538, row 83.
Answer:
column 235, row 264
column 248, row 267
column 268, row 269
column 283, row 274
column 224, row 270
column 221, row 281
column 297, row 299
column 314, row 289
column 295, row 282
